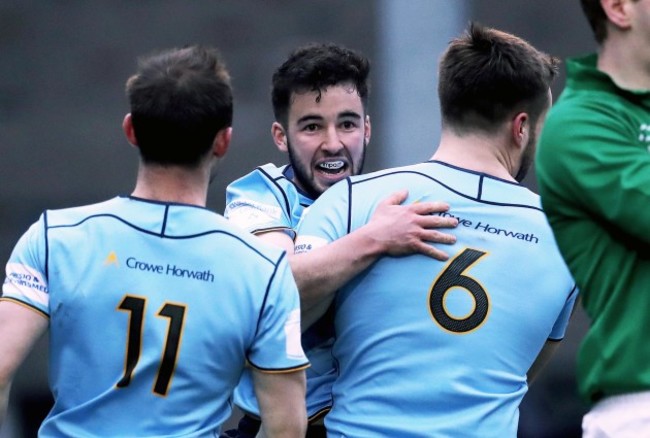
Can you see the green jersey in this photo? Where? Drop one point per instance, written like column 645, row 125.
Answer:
column 593, row 169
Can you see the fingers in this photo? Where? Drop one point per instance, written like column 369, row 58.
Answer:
column 433, row 252
column 395, row 198
column 429, row 207
column 428, row 221
column 434, row 236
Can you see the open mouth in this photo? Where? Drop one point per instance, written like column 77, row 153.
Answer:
column 332, row 167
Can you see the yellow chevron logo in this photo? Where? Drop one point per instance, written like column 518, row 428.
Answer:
column 111, row 259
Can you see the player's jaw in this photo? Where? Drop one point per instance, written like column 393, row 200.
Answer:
column 324, row 170
column 527, row 158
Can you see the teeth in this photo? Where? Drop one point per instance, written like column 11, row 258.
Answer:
column 332, row 165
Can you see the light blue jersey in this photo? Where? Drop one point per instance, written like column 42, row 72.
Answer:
column 267, row 200
column 441, row 349
column 154, row 310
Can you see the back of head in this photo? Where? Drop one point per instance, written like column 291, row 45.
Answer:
column 315, row 67
column 597, row 18
column 179, row 100
column 486, row 76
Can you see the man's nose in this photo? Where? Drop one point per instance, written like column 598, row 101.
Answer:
column 332, row 142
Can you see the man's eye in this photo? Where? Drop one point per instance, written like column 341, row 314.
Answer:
column 311, row 127
column 348, row 125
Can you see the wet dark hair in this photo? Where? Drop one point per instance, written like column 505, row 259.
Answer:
column 315, row 67
column 179, row 100
column 487, row 75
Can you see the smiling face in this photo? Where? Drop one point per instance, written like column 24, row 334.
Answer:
column 326, row 137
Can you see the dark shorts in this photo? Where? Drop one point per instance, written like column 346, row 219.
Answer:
column 249, row 426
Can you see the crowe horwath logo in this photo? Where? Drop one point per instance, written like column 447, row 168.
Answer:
column 170, row 269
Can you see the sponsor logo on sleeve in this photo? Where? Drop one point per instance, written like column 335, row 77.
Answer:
column 250, row 214
column 25, row 282
column 292, row 335
column 307, row 243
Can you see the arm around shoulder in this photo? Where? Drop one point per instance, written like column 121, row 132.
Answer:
column 394, row 230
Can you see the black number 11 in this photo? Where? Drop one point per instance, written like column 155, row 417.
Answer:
column 176, row 314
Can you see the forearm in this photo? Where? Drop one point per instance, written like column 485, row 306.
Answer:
column 394, row 230
column 282, row 403
column 20, row 327
column 283, row 428
column 319, row 273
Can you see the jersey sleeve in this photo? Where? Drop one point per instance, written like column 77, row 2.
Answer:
column 26, row 274
column 327, row 220
column 277, row 346
column 255, row 203
column 559, row 328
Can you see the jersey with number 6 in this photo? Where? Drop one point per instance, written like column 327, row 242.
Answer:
column 428, row 348
column 154, row 310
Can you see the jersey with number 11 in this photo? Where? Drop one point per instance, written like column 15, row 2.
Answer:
column 154, row 310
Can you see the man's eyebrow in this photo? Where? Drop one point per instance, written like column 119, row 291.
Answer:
column 309, row 118
column 349, row 114
column 318, row 118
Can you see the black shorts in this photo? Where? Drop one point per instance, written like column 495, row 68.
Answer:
column 249, row 426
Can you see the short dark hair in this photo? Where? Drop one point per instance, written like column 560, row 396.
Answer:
column 315, row 67
column 180, row 99
column 597, row 18
column 486, row 75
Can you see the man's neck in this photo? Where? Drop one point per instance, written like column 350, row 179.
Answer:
column 172, row 184
column 477, row 153
column 625, row 62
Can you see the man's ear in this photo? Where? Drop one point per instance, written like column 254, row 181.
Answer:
column 617, row 12
column 127, row 127
column 521, row 130
column 222, row 141
column 367, row 129
column 279, row 136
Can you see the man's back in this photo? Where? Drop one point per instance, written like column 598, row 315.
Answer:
column 427, row 348
column 160, row 305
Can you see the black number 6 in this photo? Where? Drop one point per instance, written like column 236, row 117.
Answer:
column 452, row 277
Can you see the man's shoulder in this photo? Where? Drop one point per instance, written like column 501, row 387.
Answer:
column 593, row 98
column 262, row 180
column 265, row 199
column 379, row 175
column 248, row 241
column 576, row 115
column 268, row 171
column 65, row 215
column 573, row 103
